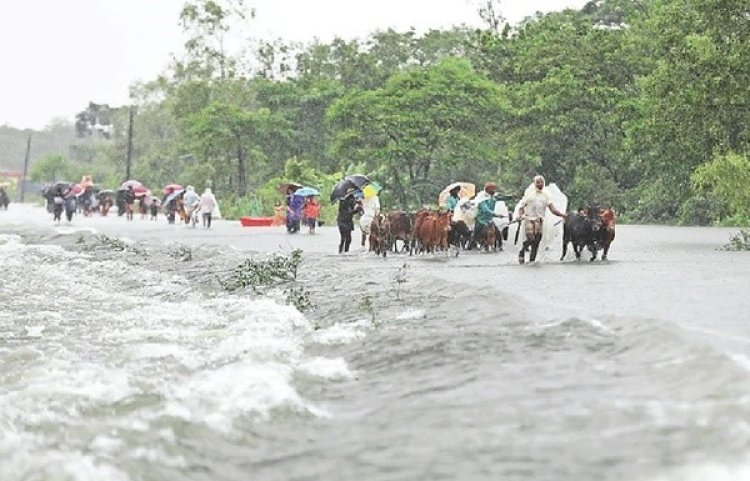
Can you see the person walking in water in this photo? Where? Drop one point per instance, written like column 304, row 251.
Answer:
column 452, row 201
column 370, row 210
column 531, row 213
column 310, row 212
column 129, row 198
column 348, row 207
column 191, row 202
column 208, row 207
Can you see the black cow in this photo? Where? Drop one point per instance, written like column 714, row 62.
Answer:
column 582, row 230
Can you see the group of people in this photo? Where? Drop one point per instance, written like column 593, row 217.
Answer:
column 204, row 205
column 300, row 210
column 530, row 212
column 185, row 203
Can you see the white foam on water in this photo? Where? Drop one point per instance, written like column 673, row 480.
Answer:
column 411, row 314
column 111, row 349
column 333, row 369
column 341, row 333
column 67, row 230
column 706, row 472
column 9, row 239
column 741, row 360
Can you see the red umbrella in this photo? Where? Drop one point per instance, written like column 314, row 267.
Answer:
column 171, row 188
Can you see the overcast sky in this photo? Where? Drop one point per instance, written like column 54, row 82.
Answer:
column 57, row 55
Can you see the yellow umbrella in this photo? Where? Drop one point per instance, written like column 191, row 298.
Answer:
column 371, row 190
column 467, row 190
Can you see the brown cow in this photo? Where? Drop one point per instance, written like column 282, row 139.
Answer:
column 489, row 237
column 432, row 230
column 607, row 231
column 401, row 228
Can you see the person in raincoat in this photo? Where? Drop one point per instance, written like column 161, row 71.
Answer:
column 531, row 210
column 370, row 210
column 485, row 202
column 191, row 201
column 208, row 206
column 348, row 207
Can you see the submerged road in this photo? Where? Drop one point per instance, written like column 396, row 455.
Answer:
column 674, row 274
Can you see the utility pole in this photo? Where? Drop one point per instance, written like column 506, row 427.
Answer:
column 26, row 167
column 129, row 154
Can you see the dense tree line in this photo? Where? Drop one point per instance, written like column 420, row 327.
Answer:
column 639, row 104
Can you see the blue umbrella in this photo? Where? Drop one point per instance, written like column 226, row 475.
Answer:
column 305, row 191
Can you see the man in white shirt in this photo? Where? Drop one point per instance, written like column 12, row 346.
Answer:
column 532, row 209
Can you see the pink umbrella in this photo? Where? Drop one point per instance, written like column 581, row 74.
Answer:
column 141, row 192
column 76, row 189
column 171, row 188
column 132, row 183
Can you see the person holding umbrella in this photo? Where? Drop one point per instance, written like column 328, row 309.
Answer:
column 129, row 198
column 348, row 207
column 452, row 201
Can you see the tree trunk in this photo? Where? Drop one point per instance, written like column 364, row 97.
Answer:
column 399, row 190
column 241, row 180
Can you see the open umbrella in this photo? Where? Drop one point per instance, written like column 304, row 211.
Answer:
column 467, row 190
column 141, row 193
column 171, row 188
column 76, row 189
column 358, row 179
column 130, row 183
column 305, row 191
column 341, row 189
column 286, row 186
column 171, row 196
column 371, row 190
column 86, row 181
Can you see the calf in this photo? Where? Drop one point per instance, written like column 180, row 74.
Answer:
column 582, row 230
column 607, row 232
column 459, row 235
column 380, row 235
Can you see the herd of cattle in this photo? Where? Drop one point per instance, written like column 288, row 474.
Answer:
column 429, row 231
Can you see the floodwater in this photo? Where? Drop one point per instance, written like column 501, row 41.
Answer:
column 128, row 361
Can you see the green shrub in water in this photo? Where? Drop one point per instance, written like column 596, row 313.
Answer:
column 262, row 273
column 739, row 241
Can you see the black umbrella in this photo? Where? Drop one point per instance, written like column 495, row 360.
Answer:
column 342, row 188
column 358, row 180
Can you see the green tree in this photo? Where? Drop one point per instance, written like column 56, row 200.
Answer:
column 50, row 168
column 725, row 179
column 231, row 139
column 423, row 121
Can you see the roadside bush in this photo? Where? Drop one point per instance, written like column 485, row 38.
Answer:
column 739, row 241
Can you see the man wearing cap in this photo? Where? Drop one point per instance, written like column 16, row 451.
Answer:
column 485, row 202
